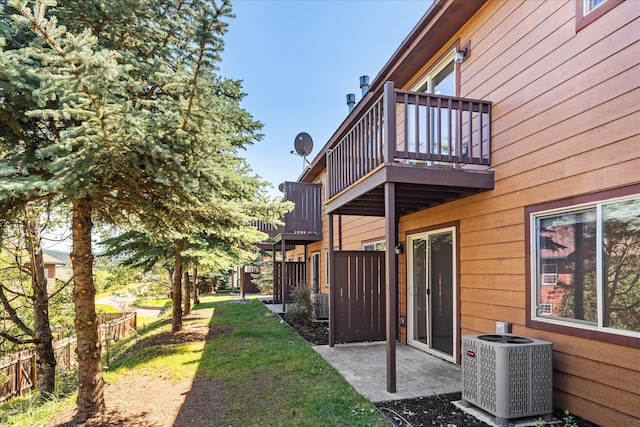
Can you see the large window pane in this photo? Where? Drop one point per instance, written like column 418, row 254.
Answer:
column 621, row 269
column 567, row 266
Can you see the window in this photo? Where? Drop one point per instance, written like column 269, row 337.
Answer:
column 588, row 11
column 326, row 268
column 549, row 274
column 374, row 246
column 586, row 266
column 315, row 272
column 546, row 308
column 589, row 5
column 439, row 137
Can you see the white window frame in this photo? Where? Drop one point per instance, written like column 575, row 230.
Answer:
column 535, row 267
column 378, row 245
column 590, row 7
column 326, row 268
column 312, row 257
column 428, row 78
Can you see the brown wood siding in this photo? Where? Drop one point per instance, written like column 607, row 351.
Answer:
column 566, row 122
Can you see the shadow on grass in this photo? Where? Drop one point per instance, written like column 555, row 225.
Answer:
column 264, row 373
column 161, row 344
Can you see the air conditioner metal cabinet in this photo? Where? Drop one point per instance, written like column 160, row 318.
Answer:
column 508, row 376
column 320, row 304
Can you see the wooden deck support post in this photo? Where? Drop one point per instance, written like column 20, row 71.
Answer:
column 391, row 235
column 282, row 278
column 273, row 274
column 332, row 287
column 391, row 283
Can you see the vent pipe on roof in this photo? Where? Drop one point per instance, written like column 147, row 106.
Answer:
column 364, row 84
column 351, row 101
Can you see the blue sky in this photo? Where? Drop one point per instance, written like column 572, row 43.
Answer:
column 299, row 59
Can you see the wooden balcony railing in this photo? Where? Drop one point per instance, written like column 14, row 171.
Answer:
column 412, row 128
column 306, row 216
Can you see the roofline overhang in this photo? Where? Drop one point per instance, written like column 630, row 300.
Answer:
column 443, row 19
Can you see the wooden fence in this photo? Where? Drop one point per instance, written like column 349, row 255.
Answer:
column 360, row 311
column 19, row 372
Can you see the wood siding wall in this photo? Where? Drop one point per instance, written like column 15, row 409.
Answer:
column 566, row 122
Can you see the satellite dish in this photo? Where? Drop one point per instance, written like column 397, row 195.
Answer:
column 281, row 187
column 303, row 144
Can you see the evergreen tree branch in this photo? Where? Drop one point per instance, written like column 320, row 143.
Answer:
column 39, row 26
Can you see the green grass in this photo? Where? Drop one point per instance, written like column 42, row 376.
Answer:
column 104, row 308
column 268, row 375
column 154, row 302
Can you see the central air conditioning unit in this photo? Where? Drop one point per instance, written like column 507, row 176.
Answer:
column 320, row 303
column 508, row 376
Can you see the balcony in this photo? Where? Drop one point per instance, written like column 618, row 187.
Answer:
column 301, row 226
column 434, row 148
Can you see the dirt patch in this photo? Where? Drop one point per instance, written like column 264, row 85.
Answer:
column 152, row 401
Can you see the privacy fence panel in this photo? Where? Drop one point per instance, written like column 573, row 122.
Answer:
column 360, row 296
column 295, row 277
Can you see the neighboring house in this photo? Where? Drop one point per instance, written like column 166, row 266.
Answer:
column 56, row 266
column 497, row 156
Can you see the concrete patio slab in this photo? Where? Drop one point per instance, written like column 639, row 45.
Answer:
column 418, row 373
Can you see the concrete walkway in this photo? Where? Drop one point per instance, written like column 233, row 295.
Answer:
column 364, row 366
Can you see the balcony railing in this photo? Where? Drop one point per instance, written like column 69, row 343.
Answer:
column 306, row 216
column 420, row 128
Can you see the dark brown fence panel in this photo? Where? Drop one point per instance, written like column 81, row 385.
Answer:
column 295, row 277
column 360, row 296
column 306, row 216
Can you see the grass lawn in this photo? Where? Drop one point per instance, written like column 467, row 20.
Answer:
column 156, row 303
column 266, row 374
column 104, row 308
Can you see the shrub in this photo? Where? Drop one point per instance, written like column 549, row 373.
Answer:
column 300, row 311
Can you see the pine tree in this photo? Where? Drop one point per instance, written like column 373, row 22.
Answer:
column 116, row 109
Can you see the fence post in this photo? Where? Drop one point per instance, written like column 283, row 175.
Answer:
column 34, row 372
column 19, row 376
column 389, row 128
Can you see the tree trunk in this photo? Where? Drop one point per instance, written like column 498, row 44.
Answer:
column 46, row 358
column 196, row 291
column 187, row 293
column 90, row 382
column 176, row 313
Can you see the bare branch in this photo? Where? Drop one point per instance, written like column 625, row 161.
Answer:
column 57, row 291
column 13, row 315
column 19, row 341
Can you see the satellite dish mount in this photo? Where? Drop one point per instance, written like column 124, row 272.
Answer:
column 303, row 145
